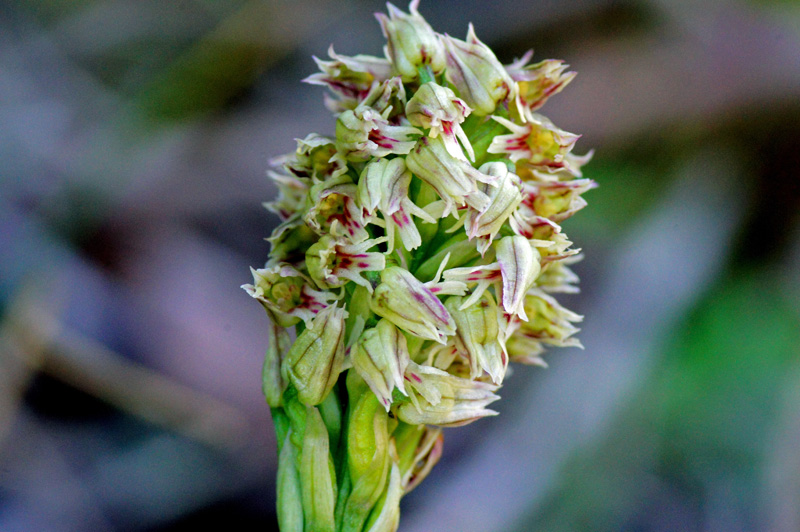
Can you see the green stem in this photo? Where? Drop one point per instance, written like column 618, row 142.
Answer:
column 425, row 74
column 281, row 422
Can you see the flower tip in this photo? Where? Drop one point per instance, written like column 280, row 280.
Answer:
column 525, row 57
column 471, row 34
column 393, row 10
column 382, row 20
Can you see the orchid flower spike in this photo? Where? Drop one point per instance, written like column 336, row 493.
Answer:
column 420, row 251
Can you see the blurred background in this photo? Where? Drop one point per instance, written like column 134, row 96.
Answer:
column 134, row 140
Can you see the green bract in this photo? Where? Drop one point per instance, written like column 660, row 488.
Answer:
column 418, row 255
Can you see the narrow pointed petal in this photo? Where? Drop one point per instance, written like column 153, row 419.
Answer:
column 519, row 268
column 315, row 359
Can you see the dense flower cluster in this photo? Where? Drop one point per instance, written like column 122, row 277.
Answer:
column 418, row 254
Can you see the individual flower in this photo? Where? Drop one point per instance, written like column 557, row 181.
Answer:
column 292, row 194
column 332, row 262
column 556, row 200
column 438, row 398
column 558, row 277
column 521, row 348
column 412, row 43
column 349, row 78
column 411, row 305
column 381, row 357
column 316, row 157
column 477, row 326
column 538, row 82
column 334, row 210
column 538, row 143
column 519, row 269
column 436, row 108
column 571, row 169
column 287, row 294
column 455, row 180
column 364, row 133
column 290, row 240
column 549, row 322
column 476, row 73
column 389, row 99
column 514, row 273
column 504, row 198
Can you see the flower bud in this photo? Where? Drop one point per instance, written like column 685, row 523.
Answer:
column 381, row 357
column 383, row 184
column 438, row 398
column 476, row 73
column 387, row 98
column 478, row 329
column 317, row 476
column 436, row 108
column 286, row 294
column 412, row 43
column 408, row 303
column 368, row 456
column 315, row 359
